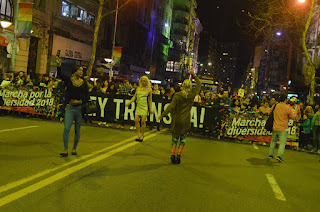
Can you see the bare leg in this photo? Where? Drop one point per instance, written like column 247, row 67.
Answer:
column 143, row 125
column 136, row 121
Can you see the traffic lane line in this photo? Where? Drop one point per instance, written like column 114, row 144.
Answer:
column 32, row 188
column 20, row 128
column 275, row 187
column 38, row 175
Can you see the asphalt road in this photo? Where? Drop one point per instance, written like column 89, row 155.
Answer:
column 112, row 172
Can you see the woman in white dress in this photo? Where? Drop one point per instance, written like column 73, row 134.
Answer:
column 142, row 93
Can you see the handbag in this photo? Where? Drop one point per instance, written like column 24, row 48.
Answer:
column 269, row 123
column 90, row 107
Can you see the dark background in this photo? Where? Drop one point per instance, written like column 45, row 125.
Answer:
column 224, row 20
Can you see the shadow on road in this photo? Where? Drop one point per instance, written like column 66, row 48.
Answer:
column 262, row 162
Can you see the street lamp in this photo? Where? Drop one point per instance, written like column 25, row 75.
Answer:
column 5, row 24
column 301, row 1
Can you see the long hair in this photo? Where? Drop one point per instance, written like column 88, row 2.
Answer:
column 144, row 77
column 186, row 87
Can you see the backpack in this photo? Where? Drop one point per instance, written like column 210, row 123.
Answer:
column 269, row 123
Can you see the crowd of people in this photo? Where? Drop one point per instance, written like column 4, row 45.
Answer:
column 307, row 117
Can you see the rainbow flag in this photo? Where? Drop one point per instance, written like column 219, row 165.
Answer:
column 117, row 53
column 25, row 20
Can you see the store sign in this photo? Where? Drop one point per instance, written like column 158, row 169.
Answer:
column 71, row 49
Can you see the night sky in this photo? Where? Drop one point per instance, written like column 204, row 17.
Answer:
column 220, row 18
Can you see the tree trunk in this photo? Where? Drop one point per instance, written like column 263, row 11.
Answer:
column 306, row 52
column 95, row 39
column 312, row 85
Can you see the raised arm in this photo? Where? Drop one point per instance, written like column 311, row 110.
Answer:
column 59, row 71
column 196, row 90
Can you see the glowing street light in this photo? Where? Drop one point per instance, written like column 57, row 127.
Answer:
column 279, row 33
column 108, row 60
column 5, row 24
column 301, row 1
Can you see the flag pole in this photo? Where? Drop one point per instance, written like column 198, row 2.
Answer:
column 114, row 42
column 15, row 45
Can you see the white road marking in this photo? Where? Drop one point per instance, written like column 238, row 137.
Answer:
column 255, row 146
column 33, row 177
column 20, row 128
column 275, row 187
column 23, row 192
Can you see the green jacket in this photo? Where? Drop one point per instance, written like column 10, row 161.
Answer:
column 180, row 108
column 306, row 126
column 313, row 122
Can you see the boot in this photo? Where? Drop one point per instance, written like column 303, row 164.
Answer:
column 178, row 159
column 173, row 159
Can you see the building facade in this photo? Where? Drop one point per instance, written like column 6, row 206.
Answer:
column 185, row 33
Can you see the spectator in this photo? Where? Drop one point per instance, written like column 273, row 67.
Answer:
column 124, row 89
column 112, row 89
column 215, row 99
column 19, row 80
column 315, row 125
column 245, row 104
column 171, row 93
column 105, row 87
column 163, row 94
column 7, row 80
column 305, row 133
column 133, row 89
column 272, row 102
column 203, row 98
column 225, row 99
column 308, row 111
column 156, row 90
column 236, row 106
column 293, row 105
column 264, row 109
column 208, row 99
column 90, row 85
column 197, row 99
column 282, row 113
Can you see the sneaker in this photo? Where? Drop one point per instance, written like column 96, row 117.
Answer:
column 178, row 159
column 270, row 156
column 173, row 159
column 280, row 159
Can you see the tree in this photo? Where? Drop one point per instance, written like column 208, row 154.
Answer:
column 270, row 16
column 314, row 61
column 100, row 16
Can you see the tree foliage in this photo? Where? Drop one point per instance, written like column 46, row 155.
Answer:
column 269, row 16
column 100, row 16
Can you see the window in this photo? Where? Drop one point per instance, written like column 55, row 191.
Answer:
column 91, row 20
column 76, row 12
column 65, row 9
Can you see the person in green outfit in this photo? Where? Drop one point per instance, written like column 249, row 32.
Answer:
column 141, row 95
column 180, row 108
